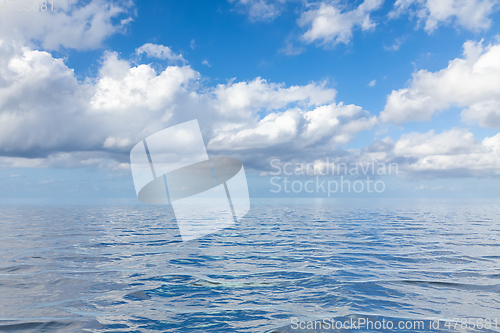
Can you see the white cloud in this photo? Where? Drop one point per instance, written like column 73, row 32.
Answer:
column 137, row 87
column 69, row 25
column 396, row 45
column 467, row 156
column 452, row 153
column 454, row 142
column 260, row 10
column 39, row 97
column 327, row 22
column 328, row 125
column 486, row 114
column 49, row 118
column 290, row 49
column 160, row 52
column 330, row 25
column 245, row 98
column 206, row 63
column 372, row 83
column 469, row 14
column 472, row 81
column 44, row 109
column 112, row 142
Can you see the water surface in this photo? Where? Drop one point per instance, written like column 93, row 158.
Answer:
column 121, row 267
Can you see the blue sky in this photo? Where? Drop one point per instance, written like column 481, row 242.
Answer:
column 356, row 81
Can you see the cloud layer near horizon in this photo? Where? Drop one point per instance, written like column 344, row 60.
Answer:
column 49, row 118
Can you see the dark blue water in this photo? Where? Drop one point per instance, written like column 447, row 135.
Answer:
column 120, row 267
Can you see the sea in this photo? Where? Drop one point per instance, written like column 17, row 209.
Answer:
column 290, row 265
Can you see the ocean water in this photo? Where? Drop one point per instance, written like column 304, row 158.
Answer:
column 120, row 267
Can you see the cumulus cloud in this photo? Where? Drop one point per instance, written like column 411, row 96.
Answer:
column 160, row 52
column 49, row 118
column 70, row 24
column 472, row 82
column 327, row 125
column 452, row 153
column 39, row 97
column 260, row 10
column 485, row 114
column 245, row 98
column 137, row 87
column 469, row 14
column 329, row 24
column 454, row 142
column 44, row 109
